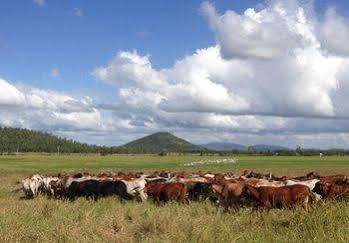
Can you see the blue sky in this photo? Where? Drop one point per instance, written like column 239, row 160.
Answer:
column 36, row 39
column 63, row 47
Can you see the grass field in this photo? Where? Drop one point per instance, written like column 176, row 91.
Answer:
column 42, row 219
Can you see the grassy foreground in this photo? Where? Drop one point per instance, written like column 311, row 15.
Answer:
column 43, row 219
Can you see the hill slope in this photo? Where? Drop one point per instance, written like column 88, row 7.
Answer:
column 159, row 142
column 24, row 140
column 222, row 146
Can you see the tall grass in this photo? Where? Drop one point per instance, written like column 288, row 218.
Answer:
column 43, row 219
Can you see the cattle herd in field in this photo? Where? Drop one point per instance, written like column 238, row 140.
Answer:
column 231, row 191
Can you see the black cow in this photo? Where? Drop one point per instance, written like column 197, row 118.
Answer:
column 200, row 191
column 93, row 189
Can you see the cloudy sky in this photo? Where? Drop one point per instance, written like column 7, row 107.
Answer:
column 249, row 72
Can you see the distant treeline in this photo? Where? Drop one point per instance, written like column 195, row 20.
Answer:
column 24, row 140
column 21, row 140
column 290, row 152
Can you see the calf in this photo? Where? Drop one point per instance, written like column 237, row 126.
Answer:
column 279, row 197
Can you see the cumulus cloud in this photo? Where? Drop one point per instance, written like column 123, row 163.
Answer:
column 271, row 32
column 10, row 95
column 40, row 3
column 276, row 75
column 205, row 82
column 334, row 33
column 23, row 106
column 270, row 72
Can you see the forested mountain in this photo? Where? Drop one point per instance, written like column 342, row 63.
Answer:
column 159, row 142
column 24, row 140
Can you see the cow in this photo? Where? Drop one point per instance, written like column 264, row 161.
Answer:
column 230, row 194
column 332, row 179
column 309, row 176
column 93, row 189
column 57, row 188
column 279, row 197
column 337, row 190
column 200, row 191
column 47, row 185
column 135, row 187
column 32, row 186
column 153, row 189
column 264, row 182
column 164, row 192
column 309, row 183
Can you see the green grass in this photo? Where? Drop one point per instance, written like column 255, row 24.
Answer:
column 43, row 219
column 69, row 163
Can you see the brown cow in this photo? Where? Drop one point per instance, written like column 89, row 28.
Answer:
column 230, row 194
column 337, row 190
column 164, row 192
column 279, row 197
column 309, row 176
column 332, row 179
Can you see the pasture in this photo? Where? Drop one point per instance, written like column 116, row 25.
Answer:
column 43, row 219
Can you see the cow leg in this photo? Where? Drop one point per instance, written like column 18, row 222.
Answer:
column 267, row 205
column 305, row 203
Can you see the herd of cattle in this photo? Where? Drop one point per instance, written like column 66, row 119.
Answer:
column 229, row 190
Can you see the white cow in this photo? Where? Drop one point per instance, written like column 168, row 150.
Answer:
column 308, row 183
column 264, row 182
column 47, row 184
column 32, row 185
column 136, row 187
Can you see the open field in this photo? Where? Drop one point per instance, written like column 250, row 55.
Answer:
column 42, row 219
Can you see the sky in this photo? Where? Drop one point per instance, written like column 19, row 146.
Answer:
column 248, row 72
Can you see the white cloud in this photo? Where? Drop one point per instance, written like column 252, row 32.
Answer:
column 276, row 75
column 40, row 3
column 23, row 106
column 269, row 67
column 78, row 12
column 205, row 82
column 334, row 33
column 10, row 95
column 271, row 32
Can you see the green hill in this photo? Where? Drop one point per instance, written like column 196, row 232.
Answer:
column 159, row 142
column 24, row 140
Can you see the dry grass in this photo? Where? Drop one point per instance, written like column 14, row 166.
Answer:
column 42, row 219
